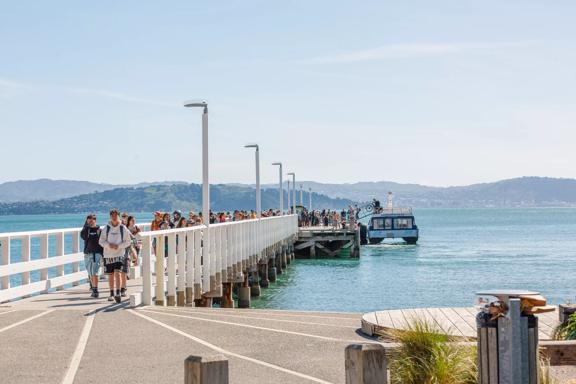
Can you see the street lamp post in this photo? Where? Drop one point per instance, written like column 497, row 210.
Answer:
column 258, row 196
column 289, row 206
column 280, row 188
column 310, row 199
column 293, row 191
column 207, row 282
column 205, row 182
column 301, row 196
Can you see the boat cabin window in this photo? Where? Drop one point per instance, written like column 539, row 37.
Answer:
column 382, row 223
column 403, row 223
column 378, row 223
column 388, row 223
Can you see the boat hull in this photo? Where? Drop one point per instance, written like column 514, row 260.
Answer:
column 410, row 236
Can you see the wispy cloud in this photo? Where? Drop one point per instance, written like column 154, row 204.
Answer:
column 408, row 50
column 5, row 83
column 120, row 96
column 7, row 88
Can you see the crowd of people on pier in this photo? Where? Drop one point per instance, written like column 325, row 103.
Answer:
column 116, row 246
column 328, row 218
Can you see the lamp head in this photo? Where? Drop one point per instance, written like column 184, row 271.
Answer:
column 277, row 163
column 251, row 146
column 196, row 103
column 291, row 174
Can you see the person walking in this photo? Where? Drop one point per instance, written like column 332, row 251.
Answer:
column 115, row 238
column 92, row 251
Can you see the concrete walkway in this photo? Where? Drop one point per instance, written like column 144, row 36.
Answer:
column 68, row 337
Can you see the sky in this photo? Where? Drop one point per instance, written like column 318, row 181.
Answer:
column 431, row 92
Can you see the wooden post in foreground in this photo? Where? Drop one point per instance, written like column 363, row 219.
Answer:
column 206, row 370
column 366, row 364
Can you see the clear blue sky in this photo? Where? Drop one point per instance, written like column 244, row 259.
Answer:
column 433, row 92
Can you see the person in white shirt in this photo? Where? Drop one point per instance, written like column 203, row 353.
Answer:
column 115, row 237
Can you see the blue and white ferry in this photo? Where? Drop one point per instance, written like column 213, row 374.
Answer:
column 392, row 223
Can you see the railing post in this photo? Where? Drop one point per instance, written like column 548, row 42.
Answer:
column 147, row 271
column 171, row 296
column 44, row 247
column 160, row 252
column 182, row 270
column 60, row 252
column 5, row 260
column 75, row 249
column 206, row 370
column 366, row 364
column 198, row 284
column 190, row 268
column 26, row 250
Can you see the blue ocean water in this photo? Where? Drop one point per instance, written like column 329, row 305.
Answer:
column 460, row 252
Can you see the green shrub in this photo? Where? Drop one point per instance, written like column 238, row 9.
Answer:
column 567, row 330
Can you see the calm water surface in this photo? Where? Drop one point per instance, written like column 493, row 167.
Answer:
column 460, row 251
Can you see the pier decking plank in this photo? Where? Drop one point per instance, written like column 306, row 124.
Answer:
column 459, row 322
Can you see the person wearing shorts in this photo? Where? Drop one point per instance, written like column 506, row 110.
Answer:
column 115, row 238
column 92, row 251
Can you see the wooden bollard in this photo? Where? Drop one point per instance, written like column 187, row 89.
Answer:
column 366, row 364
column 206, row 370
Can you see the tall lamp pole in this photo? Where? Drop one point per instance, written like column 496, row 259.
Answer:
column 289, row 206
column 301, row 196
column 293, row 191
column 206, row 286
column 280, row 188
column 310, row 199
column 258, row 196
column 205, row 175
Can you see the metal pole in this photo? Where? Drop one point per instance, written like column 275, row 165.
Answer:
column 294, row 192
column 205, row 175
column 258, row 196
column 301, row 196
column 310, row 199
column 289, row 206
column 280, row 188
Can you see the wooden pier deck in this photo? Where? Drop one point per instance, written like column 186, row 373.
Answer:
column 327, row 242
column 459, row 322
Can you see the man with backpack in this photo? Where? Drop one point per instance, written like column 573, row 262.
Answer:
column 115, row 237
column 92, row 251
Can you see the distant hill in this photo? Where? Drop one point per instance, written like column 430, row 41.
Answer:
column 163, row 197
column 60, row 195
column 47, row 189
column 518, row 192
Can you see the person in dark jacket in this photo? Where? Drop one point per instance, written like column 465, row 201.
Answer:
column 92, row 251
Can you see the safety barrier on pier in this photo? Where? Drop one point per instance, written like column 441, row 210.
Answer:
column 187, row 264
column 37, row 261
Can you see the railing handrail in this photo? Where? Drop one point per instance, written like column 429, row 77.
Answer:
column 36, row 233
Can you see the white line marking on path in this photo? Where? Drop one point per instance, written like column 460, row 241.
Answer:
column 278, row 312
column 229, row 353
column 255, row 327
column 79, row 352
column 5, row 312
column 215, row 313
column 25, row 320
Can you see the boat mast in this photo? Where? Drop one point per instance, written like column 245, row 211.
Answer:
column 389, row 203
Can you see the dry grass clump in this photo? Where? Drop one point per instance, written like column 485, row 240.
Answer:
column 427, row 356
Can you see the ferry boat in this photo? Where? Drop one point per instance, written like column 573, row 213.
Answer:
column 392, row 223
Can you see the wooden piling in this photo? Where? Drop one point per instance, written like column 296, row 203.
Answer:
column 206, row 370
column 366, row 364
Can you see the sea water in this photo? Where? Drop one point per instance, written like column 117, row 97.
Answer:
column 460, row 252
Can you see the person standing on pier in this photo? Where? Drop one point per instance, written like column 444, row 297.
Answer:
column 92, row 251
column 115, row 238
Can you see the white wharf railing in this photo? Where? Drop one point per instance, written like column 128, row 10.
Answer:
column 37, row 261
column 193, row 263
